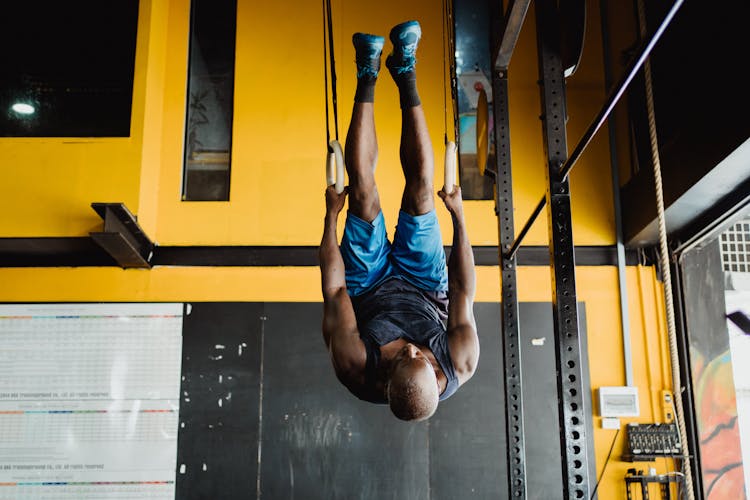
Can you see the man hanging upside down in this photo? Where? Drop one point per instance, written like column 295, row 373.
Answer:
column 399, row 328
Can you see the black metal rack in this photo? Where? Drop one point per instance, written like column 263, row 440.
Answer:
column 663, row 480
column 550, row 24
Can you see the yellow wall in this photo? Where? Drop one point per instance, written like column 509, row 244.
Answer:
column 278, row 178
column 279, row 136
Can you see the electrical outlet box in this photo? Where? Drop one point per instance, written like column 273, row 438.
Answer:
column 610, row 423
column 621, row 401
column 667, row 406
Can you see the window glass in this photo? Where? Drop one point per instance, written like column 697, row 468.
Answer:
column 66, row 68
column 208, row 131
column 473, row 74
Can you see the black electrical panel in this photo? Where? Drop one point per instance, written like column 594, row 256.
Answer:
column 647, row 442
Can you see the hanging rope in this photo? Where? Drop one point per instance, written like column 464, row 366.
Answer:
column 664, row 258
column 335, row 157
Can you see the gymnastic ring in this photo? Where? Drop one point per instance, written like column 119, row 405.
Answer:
column 450, row 167
column 335, row 167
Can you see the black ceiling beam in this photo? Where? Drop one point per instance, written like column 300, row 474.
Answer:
column 695, row 198
column 84, row 252
column 236, row 256
column 701, row 124
column 53, row 252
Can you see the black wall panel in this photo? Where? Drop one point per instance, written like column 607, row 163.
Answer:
column 291, row 430
column 319, row 441
column 541, row 423
column 220, row 362
column 467, row 434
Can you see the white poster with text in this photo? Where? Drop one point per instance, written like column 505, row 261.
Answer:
column 89, row 400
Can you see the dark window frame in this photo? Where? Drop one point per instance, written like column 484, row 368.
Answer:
column 210, row 96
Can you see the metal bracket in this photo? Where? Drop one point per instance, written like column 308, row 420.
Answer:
column 514, row 16
column 122, row 238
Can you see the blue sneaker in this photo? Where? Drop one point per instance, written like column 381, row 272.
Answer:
column 368, row 49
column 405, row 37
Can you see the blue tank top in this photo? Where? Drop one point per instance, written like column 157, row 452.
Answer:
column 396, row 309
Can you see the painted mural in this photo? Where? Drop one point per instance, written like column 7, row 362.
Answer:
column 714, row 394
column 716, row 408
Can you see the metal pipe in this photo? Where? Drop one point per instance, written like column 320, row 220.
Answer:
column 514, row 248
column 616, row 92
column 624, row 317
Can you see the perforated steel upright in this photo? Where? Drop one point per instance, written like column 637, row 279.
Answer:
column 516, row 454
column 573, row 424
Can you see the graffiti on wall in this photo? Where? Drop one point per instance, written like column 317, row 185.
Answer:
column 716, row 408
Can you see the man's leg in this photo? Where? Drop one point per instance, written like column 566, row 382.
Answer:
column 364, row 245
column 417, row 252
column 361, row 142
column 416, row 148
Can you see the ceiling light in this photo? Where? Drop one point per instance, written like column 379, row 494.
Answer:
column 23, row 108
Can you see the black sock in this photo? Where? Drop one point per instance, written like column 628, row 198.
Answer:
column 407, row 89
column 365, row 89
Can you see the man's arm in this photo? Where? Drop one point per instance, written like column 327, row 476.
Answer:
column 340, row 332
column 462, row 330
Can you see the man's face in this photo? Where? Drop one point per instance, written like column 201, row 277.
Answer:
column 411, row 362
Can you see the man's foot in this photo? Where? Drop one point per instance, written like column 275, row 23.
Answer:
column 368, row 49
column 405, row 38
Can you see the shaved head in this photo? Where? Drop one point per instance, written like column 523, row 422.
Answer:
column 413, row 390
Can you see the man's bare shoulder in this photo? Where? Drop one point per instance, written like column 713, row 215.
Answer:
column 464, row 348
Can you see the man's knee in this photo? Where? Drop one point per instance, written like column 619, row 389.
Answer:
column 419, row 188
column 364, row 202
column 418, row 199
column 362, row 193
